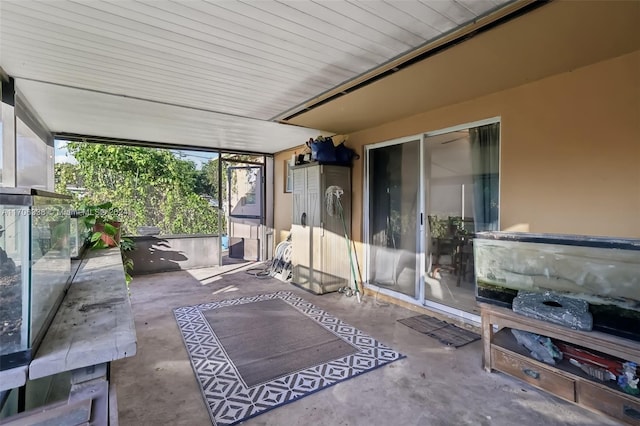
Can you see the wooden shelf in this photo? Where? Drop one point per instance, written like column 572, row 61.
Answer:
column 602, row 342
column 502, row 353
column 505, row 340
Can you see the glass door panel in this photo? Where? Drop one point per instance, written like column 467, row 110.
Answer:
column 245, row 192
column 245, row 206
column 461, row 184
column 394, row 210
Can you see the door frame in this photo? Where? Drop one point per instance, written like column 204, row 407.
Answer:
column 419, row 290
column 265, row 216
column 422, row 211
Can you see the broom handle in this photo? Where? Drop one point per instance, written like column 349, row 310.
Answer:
column 346, row 238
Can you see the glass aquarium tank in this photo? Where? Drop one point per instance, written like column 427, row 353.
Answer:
column 603, row 271
column 78, row 235
column 34, row 268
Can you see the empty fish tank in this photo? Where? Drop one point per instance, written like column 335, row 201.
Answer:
column 79, row 234
column 601, row 270
column 34, row 268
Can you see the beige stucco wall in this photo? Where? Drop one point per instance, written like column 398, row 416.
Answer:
column 570, row 151
column 282, row 200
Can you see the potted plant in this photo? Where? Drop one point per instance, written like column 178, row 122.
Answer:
column 104, row 222
column 438, row 227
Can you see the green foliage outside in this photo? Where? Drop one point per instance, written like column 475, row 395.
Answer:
column 207, row 180
column 147, row 187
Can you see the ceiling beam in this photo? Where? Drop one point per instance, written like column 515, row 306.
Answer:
column 483, row 23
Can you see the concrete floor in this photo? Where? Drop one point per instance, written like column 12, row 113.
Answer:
column 432, row 386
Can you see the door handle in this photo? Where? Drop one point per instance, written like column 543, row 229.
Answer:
column 631, row 412
column 303, row 220
column 531, row 373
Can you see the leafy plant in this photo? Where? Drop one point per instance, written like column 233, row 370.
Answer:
column 439, row 227
column 104, row 216
column 447, row 227
column 128, row 268
column 101, row 213
column 458, row 224
column 127, row 244
column 152, row 186
column 102, row 219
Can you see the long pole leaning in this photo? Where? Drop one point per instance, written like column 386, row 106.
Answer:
column 346, row 238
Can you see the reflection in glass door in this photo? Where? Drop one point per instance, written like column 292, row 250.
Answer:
column 394, row 210
column 461, row 195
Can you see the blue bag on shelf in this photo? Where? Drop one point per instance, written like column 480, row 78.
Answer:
column 344, row 155
column 322, row 150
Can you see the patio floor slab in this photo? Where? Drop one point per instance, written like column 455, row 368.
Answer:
column 434, row 385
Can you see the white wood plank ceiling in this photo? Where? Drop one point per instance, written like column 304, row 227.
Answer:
column 244, row 62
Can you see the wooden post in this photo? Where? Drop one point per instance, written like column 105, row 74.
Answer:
column 487, row 337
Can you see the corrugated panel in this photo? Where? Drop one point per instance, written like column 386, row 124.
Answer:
column 299, row 195
column 120, row 117
column 253, row 59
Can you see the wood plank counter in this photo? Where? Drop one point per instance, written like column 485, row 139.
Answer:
column 13, row 378
column 94, row 323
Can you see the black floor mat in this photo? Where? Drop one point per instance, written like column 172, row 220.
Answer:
column 445, row 333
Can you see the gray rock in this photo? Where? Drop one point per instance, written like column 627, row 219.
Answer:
column 554, row 308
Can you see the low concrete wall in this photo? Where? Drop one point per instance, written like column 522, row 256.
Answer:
column 173, row 252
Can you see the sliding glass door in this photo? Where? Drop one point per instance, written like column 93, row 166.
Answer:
column 394, row 209
column 426, row 197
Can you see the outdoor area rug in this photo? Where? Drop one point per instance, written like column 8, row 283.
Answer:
column 447, row 334
column 253, row 354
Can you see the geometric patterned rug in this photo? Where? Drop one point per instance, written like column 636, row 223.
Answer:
column 230, row 400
